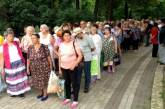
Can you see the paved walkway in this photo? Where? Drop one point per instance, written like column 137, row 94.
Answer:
column 130, row 87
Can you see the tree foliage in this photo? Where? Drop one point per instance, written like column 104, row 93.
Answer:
column 19, row 13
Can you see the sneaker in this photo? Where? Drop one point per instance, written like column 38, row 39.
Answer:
column 44, row 98
column 66, row 101
column 74, row 105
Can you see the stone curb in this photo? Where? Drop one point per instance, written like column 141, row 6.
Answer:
column 156, row 100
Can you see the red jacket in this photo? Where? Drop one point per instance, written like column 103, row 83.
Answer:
column 154, row 35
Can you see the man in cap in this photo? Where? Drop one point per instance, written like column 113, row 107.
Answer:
column 86, row 45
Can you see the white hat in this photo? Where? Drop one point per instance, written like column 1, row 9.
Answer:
column 77, row 31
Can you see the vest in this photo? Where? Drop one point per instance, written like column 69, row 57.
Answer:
column 6, row 54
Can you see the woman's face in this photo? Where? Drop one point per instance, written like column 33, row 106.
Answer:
column 43, row 29
column 29, row 31
column 10, row 37
column 82, row 24
column 67, row 37
column 107, row 32
column 65, row 28
column 100, row 26
column 35, row 40
column 93, row 30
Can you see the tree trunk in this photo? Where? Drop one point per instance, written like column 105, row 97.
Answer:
column 110, row 9
column 96, row 9
column 77, row 4
column 126, row 10
column 130, row 14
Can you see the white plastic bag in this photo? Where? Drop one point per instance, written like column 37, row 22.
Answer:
column 61, row 91
column 53, row 86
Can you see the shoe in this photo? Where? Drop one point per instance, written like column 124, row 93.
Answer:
column 44, row 98
column 161, row 63
column 13, row 96
column 21, row 95
column 66, row 101
column 39, row 96
column 74, row 105
column 86, row 90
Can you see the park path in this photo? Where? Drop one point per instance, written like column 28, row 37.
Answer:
column 130, row 87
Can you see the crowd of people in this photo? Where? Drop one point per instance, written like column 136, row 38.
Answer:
column 72, row 49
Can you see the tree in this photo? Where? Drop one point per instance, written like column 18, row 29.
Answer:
column 96, row 9
column 77, row 4
column 19, row 13
column 126, row 10
column 110, row 4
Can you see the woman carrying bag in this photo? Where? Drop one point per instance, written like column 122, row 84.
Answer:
column 68, row 65
column 109, row 49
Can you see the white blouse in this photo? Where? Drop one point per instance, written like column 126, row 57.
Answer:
column 13, row 53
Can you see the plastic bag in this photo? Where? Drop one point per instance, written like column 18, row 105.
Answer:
column 53, row 86
column 61, row 91
column 117, row 60
column 94, row 65
column 3, row 85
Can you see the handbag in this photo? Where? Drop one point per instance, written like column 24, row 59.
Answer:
column 94, row 65
column 81, row 64
column 117, row 60
column 53, row 86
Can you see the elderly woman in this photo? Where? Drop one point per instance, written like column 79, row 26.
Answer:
column 98, row 45
column 109, row 49
column 47, row 39
column 69, row 57
column 26, row 40
column 14, row 69
column 39, row 64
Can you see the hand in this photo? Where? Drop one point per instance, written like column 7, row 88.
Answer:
column 73, row 66
column 28, row 71
column 116, row 51
column 3, row 74
column 51, row 68
column 60, row 72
